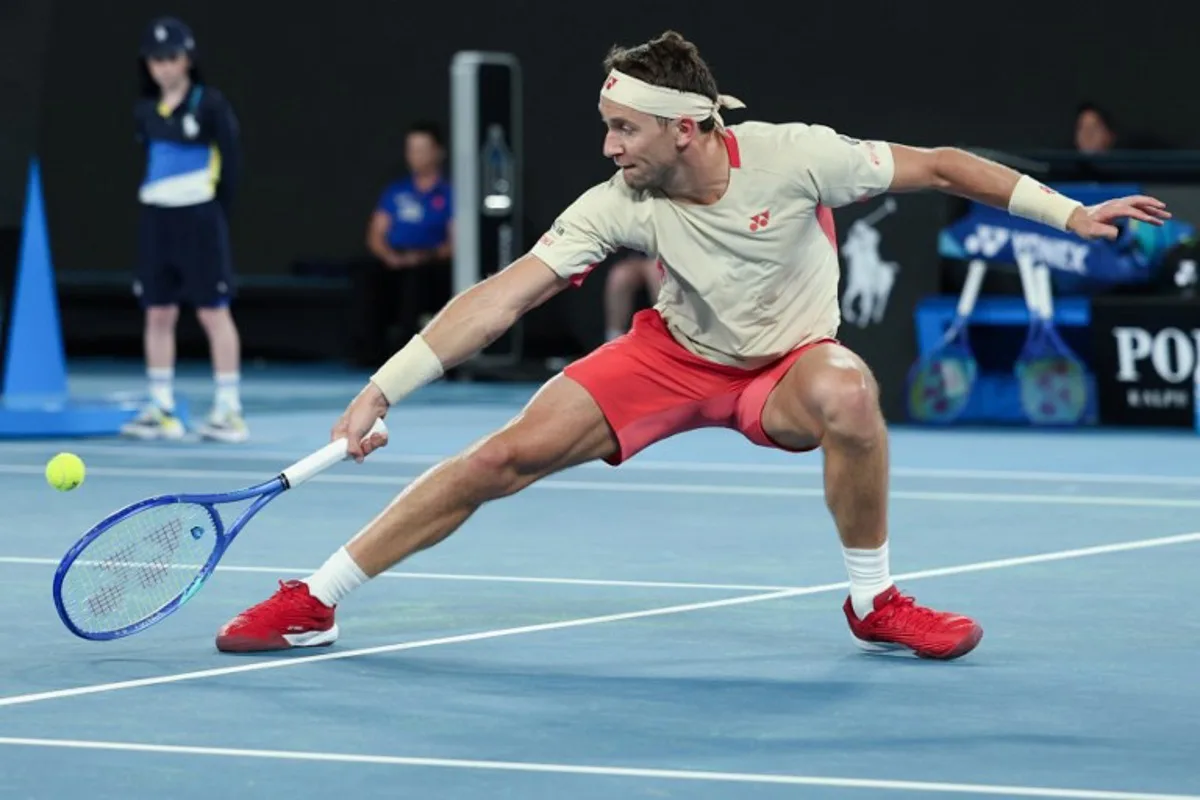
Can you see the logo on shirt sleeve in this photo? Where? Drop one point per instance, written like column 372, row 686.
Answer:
column 875, row 160
column 871, row 148
column 557, row 231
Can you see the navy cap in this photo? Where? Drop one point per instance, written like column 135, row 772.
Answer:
column 167, row 36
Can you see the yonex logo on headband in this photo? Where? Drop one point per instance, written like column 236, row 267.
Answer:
column 663, row 102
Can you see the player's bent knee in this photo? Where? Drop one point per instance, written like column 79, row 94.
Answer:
column 488, row 468
column 847, row 402
column 502, row 465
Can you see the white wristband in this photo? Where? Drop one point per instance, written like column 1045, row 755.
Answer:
column 408, row 370
column 1038, row 202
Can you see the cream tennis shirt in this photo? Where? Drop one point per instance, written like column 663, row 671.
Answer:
column 754, row 275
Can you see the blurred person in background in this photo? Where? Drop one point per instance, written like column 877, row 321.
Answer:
column 410, row 238
column 631, row 273
column 1094, row 129
column 1097, row 132
column 190, row 136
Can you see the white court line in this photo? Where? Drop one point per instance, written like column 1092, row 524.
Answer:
column 654, row 488
column 445, row 576
column 204, row 453
column 979, row 566
column 391, row 648
column 616, row 772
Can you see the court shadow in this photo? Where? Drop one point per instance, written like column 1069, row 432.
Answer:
column 554, row 686
column 699, row 715
column 83, row 671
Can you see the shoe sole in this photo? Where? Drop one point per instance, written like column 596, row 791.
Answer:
column 152, row 435
column 966, row 645
column 224, row 438
column 227, row 435
column 287, row 641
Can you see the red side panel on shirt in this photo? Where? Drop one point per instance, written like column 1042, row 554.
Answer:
column 825, row 220
column 578, row 279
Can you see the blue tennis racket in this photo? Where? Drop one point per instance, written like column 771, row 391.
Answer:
column 940, row 382
column 1052, row 379
column 143, row 562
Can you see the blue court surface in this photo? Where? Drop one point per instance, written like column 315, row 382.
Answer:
column 668, row 629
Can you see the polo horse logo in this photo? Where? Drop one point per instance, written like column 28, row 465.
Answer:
column 869, row 279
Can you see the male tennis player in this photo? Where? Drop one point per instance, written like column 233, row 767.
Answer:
column 742, row 335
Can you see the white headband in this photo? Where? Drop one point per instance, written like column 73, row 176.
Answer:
column 663, row 102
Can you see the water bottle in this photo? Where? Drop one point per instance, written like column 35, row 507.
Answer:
column 496, row 161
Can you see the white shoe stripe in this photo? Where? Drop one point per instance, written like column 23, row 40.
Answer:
column 312, row 638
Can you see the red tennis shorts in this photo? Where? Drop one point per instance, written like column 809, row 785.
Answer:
column 649, row 387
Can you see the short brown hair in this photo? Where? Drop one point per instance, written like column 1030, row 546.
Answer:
column 670, row 61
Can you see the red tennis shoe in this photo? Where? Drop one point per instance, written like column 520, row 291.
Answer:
column 898, row 623
column 291, row 617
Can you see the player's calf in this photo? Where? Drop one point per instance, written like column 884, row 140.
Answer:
column 829, row 396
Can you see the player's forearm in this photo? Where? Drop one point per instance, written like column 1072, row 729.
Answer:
column 967, row 175
column 469, row 323
column 465, row 326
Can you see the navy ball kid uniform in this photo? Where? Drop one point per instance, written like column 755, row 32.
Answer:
column 192, row 161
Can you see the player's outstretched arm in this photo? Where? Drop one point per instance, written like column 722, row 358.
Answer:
column 964, row 174
column 466, row 325
column 479, row 316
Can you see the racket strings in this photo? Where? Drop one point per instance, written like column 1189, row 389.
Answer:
column 942, row 386
column 1053, row 388
column 138, row 566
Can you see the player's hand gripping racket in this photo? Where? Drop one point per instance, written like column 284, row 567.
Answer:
column 144, row 561
column 1053, row 384
column 939, row 384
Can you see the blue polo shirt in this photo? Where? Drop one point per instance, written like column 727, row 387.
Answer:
column 419, row 220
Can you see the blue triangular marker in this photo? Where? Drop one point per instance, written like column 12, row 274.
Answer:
column 36, row 364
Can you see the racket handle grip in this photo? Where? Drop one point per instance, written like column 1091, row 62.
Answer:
column 323, row 459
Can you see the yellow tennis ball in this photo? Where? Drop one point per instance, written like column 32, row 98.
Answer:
column 65, row 471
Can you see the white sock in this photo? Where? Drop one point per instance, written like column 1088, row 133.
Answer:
column 336, row 578
column 870, row 575
column 162, row 391
column 228, row 398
